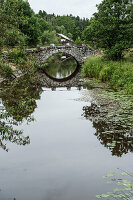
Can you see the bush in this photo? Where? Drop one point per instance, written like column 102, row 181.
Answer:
column 18, row 56
column 14, row 38
column 5, row 69
column 129, row 55
column 92, row 67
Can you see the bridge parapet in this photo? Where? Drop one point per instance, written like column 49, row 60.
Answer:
column 80, row 53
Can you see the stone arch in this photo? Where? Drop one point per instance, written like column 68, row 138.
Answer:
column 47, row 53
column 51, row 52
column 79, row 53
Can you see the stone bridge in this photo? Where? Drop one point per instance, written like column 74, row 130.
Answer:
column 79, row 53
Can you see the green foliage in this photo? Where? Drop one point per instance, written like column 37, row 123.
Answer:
column 26, row 64
column 13, row 15
column 43, row 25
column 5, row 69
column 118, row 74
column 19, row 25
column 61, row 29
column 124, row 190
column 17, row 56
column 49, row 37
column 66, row 24
column 111, row 28
column 92, row 67
column 78, row 41
column 129, row 56
column 15, row 38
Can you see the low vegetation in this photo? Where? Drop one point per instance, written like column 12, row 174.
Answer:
column 17, row 56
column 124, row 190
column 119, row 74
column 5, row 70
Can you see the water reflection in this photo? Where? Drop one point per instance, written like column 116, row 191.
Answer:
column 60, row 68
column 8, row 133
column 18, row 102
column 118, row 140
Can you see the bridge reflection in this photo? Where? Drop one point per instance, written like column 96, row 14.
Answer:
column 58, row 73
column 74, row 80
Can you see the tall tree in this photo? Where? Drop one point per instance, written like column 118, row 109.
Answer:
column 19, row 24
column 111, row 27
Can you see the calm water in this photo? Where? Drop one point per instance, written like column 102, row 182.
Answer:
column 64, row 160
column 58, row 68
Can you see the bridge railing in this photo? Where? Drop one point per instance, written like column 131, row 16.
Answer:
column 57, row 47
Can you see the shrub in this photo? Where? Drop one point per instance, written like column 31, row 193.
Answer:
column 92, row 67
column 5, row 69
column 17, row 56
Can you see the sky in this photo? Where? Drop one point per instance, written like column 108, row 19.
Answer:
column 81, row 8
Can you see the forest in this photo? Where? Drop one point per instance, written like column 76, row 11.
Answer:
column 21, row 26
column 110, row 29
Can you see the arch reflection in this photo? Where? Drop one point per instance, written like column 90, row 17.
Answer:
column 60, row 67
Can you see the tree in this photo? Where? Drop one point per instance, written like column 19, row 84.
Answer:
column 19, row 25
column 78, row 41
column 49, row 37
column 111, row 28
column 14, row 14
column 67, row 22
column 61, row 29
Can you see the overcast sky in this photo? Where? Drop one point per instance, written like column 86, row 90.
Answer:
column 82, row 8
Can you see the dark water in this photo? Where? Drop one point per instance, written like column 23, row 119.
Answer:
column 64, row 159
column 60, row 68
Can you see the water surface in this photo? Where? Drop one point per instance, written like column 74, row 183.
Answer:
column 64, row 159
column 59, row 66
column 61, row 153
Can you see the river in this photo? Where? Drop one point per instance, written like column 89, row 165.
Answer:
column 65, row 159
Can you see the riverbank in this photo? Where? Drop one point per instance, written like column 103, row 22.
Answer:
column 16, row 63
column 111, row 110
column 119, row 74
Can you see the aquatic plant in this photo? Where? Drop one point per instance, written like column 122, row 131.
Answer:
column 124, row 190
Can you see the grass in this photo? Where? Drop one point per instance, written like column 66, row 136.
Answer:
column 118, row 74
